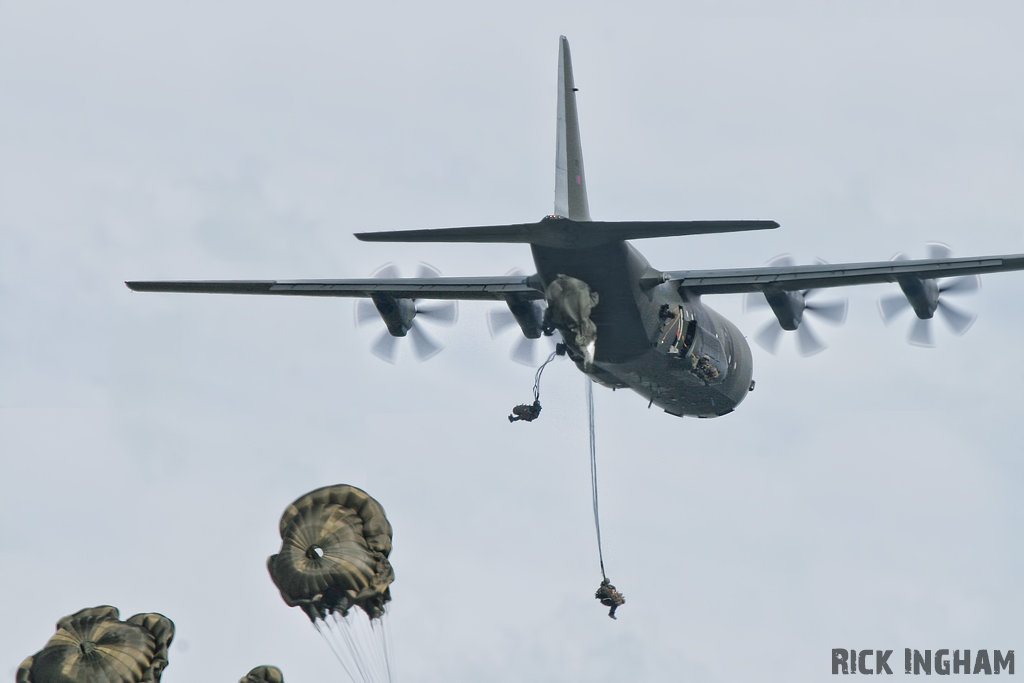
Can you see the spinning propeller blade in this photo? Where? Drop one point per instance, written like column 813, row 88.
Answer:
column 499, row 320
column 891, row 306
column 961, row 285
column 424, row 346
column 808, row 343
column 959, row 321
column 921, row 333
column 832, row 311
column 938, row 250
column 365, row 312
column 524, row 351
column 769, row 336
column 442, row 313
column 385, row 347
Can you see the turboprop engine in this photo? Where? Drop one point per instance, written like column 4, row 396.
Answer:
column 398, row 314
column 789, row 307
column 928, row 295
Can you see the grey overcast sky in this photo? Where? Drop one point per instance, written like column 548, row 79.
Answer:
column 866, row 497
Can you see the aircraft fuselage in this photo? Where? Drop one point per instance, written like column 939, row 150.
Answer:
column 662, row 343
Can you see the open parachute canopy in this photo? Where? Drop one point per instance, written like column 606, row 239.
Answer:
column 263, row 674
column 93, row 646
column 334, row 553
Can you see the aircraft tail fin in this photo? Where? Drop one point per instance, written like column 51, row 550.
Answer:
column 570, row 225
column 570, row 181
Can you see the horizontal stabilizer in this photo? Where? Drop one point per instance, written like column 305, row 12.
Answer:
column 565, row 233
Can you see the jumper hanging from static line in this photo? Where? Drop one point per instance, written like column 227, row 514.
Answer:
column 528, row 412
column 606, row 592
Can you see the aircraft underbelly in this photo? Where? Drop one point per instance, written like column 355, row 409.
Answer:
column 669, row 380
column 659, row 379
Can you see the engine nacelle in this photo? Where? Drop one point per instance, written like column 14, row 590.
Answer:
column 396, row 313
column 788, row 306
column 527, row 313
column 923, row 295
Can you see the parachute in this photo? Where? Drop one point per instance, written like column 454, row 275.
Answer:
column 570, row 302
column 334, row 558
column 93, row 646
column 263, row 674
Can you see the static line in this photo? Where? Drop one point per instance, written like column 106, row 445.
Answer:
column 593, row 470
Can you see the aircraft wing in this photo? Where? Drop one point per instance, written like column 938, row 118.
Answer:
column 733, row 280
column 466, row 288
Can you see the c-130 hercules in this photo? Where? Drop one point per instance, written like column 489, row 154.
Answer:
column 623, row 322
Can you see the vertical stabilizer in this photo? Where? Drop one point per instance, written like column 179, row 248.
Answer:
column 570, row 181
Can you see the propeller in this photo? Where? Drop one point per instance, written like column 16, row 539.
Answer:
column 792, row 306
column 926, row 296
column 525, row 350
column 406, row 315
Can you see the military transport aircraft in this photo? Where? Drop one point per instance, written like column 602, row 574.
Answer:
column 624, row 323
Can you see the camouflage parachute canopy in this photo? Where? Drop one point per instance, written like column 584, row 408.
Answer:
column 570, row 303
column 93, row 646
column 263, row 674
column 334, row 553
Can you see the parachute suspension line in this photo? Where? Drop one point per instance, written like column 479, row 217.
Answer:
column 380, row 636
column 378, row 644
column 343, row 638
column 593, row 469
column 384, row 628
column 353, row 647
column 346, row 645
column 334, row 650
column 358, row 630
column 359, row 646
